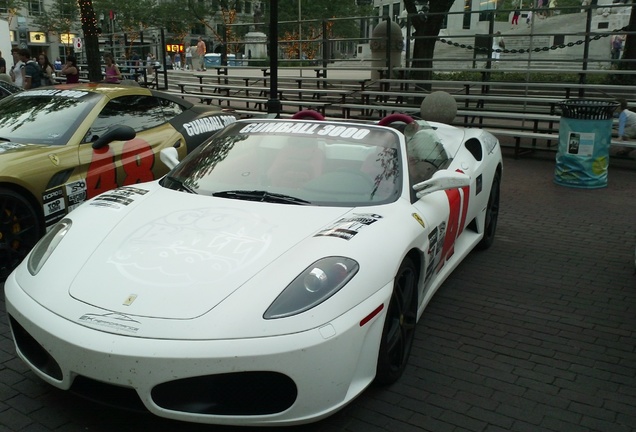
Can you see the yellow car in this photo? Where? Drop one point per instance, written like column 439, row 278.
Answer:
column 64, row 144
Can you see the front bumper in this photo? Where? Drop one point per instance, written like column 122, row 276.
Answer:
column 312, row 373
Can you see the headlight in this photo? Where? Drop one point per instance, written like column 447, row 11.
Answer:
column 45, row 247
column 313, row 286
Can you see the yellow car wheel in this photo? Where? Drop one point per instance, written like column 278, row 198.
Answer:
column 20, row 229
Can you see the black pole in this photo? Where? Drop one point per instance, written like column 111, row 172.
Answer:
column 273, row 104
column 163, row 62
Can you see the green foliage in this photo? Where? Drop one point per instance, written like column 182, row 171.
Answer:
column 313, row 12
column 60, row 16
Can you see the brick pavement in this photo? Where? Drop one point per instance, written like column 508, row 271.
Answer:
column 535, row 334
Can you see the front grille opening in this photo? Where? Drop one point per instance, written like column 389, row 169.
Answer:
column 107, row 394
column 34, row 352
column 242, row 393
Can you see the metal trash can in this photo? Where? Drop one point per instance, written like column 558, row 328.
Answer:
column 585, row 133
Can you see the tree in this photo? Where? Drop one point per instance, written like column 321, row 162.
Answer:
column 133, row 17
column 228, row 10
column 91, row 39
column 13, row 7
column 59, row 17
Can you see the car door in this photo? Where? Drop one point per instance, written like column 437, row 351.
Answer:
column 122, row 163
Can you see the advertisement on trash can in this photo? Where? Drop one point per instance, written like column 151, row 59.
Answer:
column 581, row 144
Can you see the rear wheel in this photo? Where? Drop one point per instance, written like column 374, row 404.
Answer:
column 399, row 326
column 492, row 214
column 19, row 230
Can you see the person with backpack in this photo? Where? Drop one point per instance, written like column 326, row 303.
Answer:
column 32, row 71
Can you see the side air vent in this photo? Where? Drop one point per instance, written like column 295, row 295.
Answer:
column 473, row 145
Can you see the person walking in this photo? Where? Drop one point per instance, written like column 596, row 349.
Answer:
column 201, row 50
column 177, row 60
column 515, row 17
column 3, row 64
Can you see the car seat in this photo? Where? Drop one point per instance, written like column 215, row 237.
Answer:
column 296, row 164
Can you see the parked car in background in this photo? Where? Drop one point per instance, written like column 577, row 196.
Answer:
column 64, row 144
column 7, row 89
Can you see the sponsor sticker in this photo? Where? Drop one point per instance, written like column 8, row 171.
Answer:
column 54, row 205
column 207, row 124
column 347, row 228
column 76, row 193
column 118, row 198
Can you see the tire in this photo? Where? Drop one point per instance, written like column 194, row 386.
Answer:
column 399, row 326
column 20, row 229
column 492, row 214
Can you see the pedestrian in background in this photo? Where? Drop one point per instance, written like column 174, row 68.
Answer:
column 111, row 71
column 515, row 17
column 32, row 71
column 48, row 71
column 17, row 71
column 188, row 57
column 177, row 60
column 201, row 50
column 3, row 64
column 498, row 44
column 70, row 70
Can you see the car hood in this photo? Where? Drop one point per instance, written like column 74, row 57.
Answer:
column 176, row 255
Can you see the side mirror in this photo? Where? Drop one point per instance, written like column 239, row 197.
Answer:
column 442, row 180
column 115, row 133
column 170, row 157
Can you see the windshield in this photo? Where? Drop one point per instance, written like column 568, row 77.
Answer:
column 44, row 116
column 295, row 162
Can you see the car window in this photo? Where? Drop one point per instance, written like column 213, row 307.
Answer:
column 138, row 111
column 44, row 116
column 319, row 162
column 426, row 154
column 171, row 109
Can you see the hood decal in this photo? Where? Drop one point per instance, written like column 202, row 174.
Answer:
column 221, row 240
column 347, row 228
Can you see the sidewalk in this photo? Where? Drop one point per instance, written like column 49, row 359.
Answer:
column 536, row 334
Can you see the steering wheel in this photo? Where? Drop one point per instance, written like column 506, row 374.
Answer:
column 308, row 114
column 393, row 118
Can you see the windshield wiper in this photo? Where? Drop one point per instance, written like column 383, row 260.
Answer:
column 261, row 195
column 180, row 184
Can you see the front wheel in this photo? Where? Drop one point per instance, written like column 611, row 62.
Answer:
column 492, row 214
column 399, row 326
column 20, row 229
